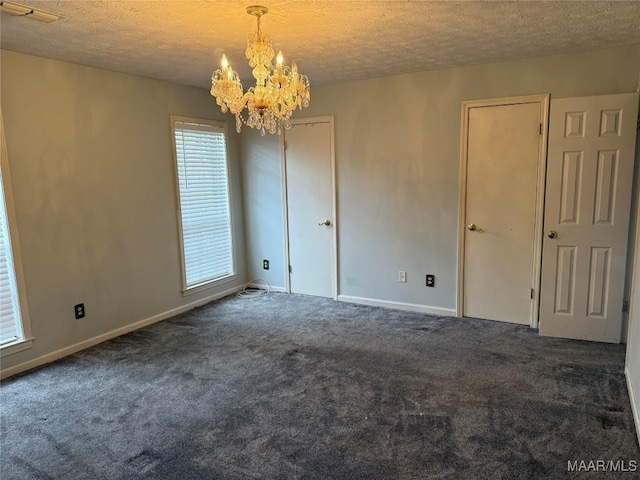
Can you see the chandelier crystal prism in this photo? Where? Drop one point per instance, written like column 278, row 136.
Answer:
column 279, row 89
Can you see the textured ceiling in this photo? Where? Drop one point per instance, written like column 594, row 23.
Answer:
column 332, row 41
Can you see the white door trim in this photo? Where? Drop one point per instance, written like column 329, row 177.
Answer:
column 334, row 200
column 543, row 100
column 285, row 216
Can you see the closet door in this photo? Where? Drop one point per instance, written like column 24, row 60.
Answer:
column 587, row 204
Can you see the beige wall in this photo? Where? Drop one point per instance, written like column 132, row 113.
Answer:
column 398, row 157
column 633, row 340
column 93, row 182
column 263, row 203
column 633, row 336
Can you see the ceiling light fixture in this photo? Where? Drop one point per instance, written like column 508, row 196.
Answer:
column 28, row 12
column 278, row 92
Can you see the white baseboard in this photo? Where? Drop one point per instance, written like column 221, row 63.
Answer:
column 70, row 350
column 263, row 286
column 410, row 307
column 635, row 403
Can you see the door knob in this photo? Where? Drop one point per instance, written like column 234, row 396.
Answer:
column 474, row 228
column 552, row 234
column 326, row 223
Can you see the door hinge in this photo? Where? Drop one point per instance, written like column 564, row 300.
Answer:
column 531, row 294
column 625, row 305
column 290, row 271
column 540, row 130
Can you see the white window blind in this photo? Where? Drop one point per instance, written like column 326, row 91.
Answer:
column 201, row 156
column 10, row 323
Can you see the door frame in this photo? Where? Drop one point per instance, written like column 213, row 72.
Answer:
column 334, row 207
column 543, row 100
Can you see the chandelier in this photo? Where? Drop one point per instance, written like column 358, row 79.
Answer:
column 279, row 89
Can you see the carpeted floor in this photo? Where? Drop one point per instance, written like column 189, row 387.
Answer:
column 295, row 387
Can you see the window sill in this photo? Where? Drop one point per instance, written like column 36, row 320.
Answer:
column 207, row 286
column 16, row 347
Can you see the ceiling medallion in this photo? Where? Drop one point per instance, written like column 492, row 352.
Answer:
column 279, row 89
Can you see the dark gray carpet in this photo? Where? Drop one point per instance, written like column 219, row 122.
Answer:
column 288, row 387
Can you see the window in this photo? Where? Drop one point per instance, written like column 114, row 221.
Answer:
column 14, row 325
column 10, row 324
column 205, row 212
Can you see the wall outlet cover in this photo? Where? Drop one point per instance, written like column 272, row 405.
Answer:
column 79, row 310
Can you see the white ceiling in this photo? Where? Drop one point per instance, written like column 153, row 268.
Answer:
column 332, row 41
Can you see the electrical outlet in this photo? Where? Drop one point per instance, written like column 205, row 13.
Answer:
column 265, row 264
column 431, row 280
column 79, row 309
column 402, row 276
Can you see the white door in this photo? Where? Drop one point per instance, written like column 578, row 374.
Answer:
column 587, row 203
column 503, row 157
column 310, row 207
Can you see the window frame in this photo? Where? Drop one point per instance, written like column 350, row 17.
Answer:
column 26, row 342
column 234, row 274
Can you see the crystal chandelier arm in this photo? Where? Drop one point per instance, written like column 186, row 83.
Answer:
column 239, row 105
